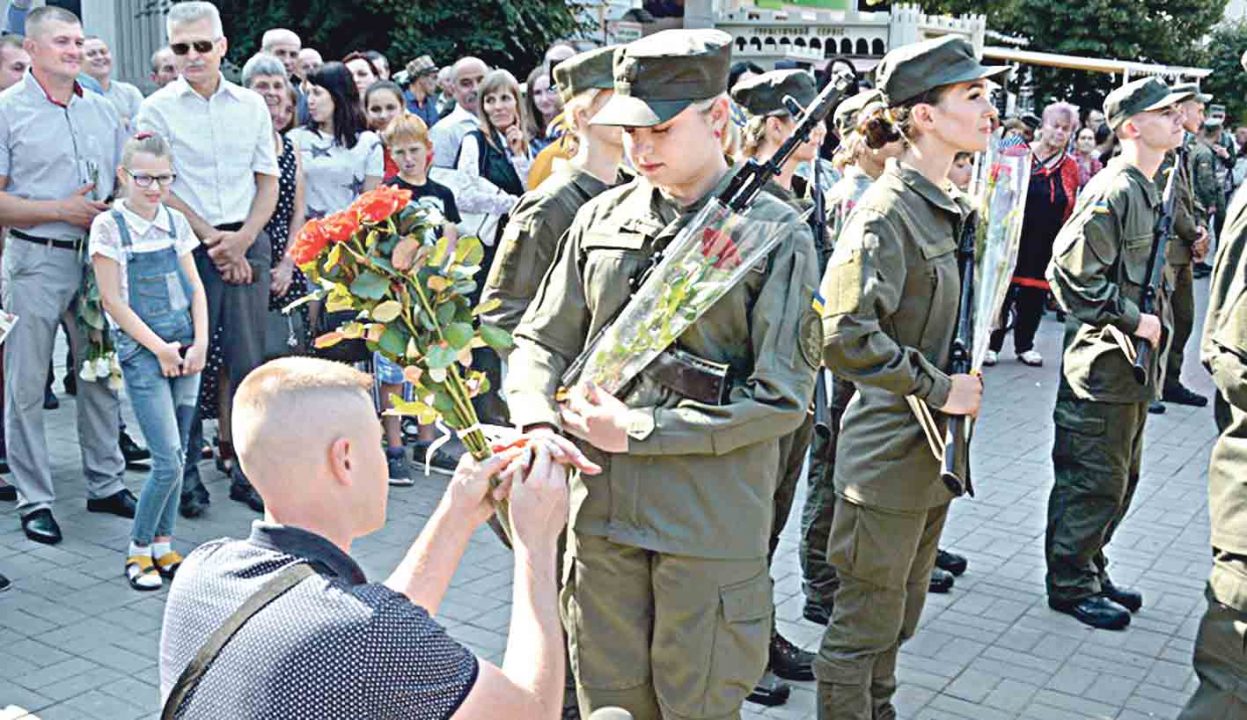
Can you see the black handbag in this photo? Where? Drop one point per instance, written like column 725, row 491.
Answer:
column 344, row 351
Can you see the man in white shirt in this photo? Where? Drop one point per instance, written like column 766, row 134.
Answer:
column 222, row 139
column 99, row 66
column 447, row 135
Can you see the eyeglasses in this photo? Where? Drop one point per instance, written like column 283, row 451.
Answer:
column 201, row 46
column 144, row 180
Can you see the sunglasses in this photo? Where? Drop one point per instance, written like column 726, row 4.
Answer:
column 201, row 46
column 144, row 180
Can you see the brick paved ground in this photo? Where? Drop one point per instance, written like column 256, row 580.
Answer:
column 76, row 642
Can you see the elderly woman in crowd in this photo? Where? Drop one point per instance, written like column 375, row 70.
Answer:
column 1054, row 184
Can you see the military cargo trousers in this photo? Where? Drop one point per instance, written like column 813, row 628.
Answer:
column 818, row 576
column 1182, row 300
column 1095, row 458
column 884, row 560
column 662, row 635
column 1221, row 644
column 792, row 450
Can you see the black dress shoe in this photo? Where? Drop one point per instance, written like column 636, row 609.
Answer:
column 122, row 503
column 941, row 581
column 1156, row 407
column 4, row 583
column 41, row 527
column 789, row 661
column 1181, row 395
column 816, row 612
column 1132, row 600
column 770, row 691
column 950, row 561
column 1097, row 611
column 245, row 494
column 191, row 506
column 132, row 451
column 8, row 493
column 49, row 400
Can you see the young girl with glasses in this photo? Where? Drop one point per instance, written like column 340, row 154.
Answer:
column 141, row 252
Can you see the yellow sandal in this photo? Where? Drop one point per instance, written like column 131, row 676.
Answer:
column 142, row 573
column 167, row 565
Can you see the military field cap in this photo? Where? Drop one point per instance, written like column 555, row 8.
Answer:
column 910, row 70
column 764, row 94
column 422, row 65
column 1137, row 97
column 1191, row 91
column 1032, row 121
column 659, row 75
column 586, row 71
column 850, row 110
column 1215, row 122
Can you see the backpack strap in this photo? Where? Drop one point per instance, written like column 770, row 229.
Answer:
column 279, row 585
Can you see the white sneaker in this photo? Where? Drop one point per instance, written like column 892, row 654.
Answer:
column 991, row 358
column 1032, row 358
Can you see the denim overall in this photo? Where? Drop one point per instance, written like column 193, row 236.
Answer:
column 160, row 294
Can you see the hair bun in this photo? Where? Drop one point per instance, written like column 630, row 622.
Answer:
column 879, row 130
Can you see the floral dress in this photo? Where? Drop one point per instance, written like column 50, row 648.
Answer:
column 278, row 230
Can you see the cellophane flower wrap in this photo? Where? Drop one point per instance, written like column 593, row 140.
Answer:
column 705, row 260
column 1002, row 178
column 420, row 318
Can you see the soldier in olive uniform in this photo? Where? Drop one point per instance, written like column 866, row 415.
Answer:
column 767, row 125
column 1189, row 242
column 1220, row 656
column 1098, row 272
column 890, row 297
column 666, row 598
column 544, row 213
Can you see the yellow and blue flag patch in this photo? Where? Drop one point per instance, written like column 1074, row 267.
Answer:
column 819, row 304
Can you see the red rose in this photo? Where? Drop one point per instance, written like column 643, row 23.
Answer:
column 309, row 243
column 719, row 248
column 380, row 203
column 340, row 226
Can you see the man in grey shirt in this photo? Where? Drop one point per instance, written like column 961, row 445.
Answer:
column 99, row 66
column 59, row 148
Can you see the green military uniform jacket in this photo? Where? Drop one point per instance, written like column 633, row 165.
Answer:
column 890, row 295
column 1188, row 214
column 530, row 239
column 1097, row 273
column 697, row 479
column 1224, row 352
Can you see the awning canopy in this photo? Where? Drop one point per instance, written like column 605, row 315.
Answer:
column 1128, row 70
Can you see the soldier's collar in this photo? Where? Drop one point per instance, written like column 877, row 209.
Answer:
column 919, row 183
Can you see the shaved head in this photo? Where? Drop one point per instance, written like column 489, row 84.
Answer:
column 307, row 437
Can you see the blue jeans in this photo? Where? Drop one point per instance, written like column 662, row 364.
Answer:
column 164, row 408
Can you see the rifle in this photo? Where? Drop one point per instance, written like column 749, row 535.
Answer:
column 818, row 226
column 957, row 443
column 740, row 192
column 1156, row 267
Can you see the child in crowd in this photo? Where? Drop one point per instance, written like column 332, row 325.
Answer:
column 407, row 141
column 963, row 167
column 141, row 253
column 382, row 103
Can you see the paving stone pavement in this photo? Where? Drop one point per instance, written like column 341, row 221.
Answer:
column 76, row 642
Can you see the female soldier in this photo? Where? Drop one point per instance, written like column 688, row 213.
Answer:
column 891, row 296
column 768, row 124
column 667, row 601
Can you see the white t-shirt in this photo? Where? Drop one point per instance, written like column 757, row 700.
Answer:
column 145, row 236
column 333, row 174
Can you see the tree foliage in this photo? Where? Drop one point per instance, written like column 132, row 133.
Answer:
column 1152, row 31
column 505, row 33
column 1228, row 79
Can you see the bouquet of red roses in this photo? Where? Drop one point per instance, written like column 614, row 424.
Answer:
column 416, row 314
